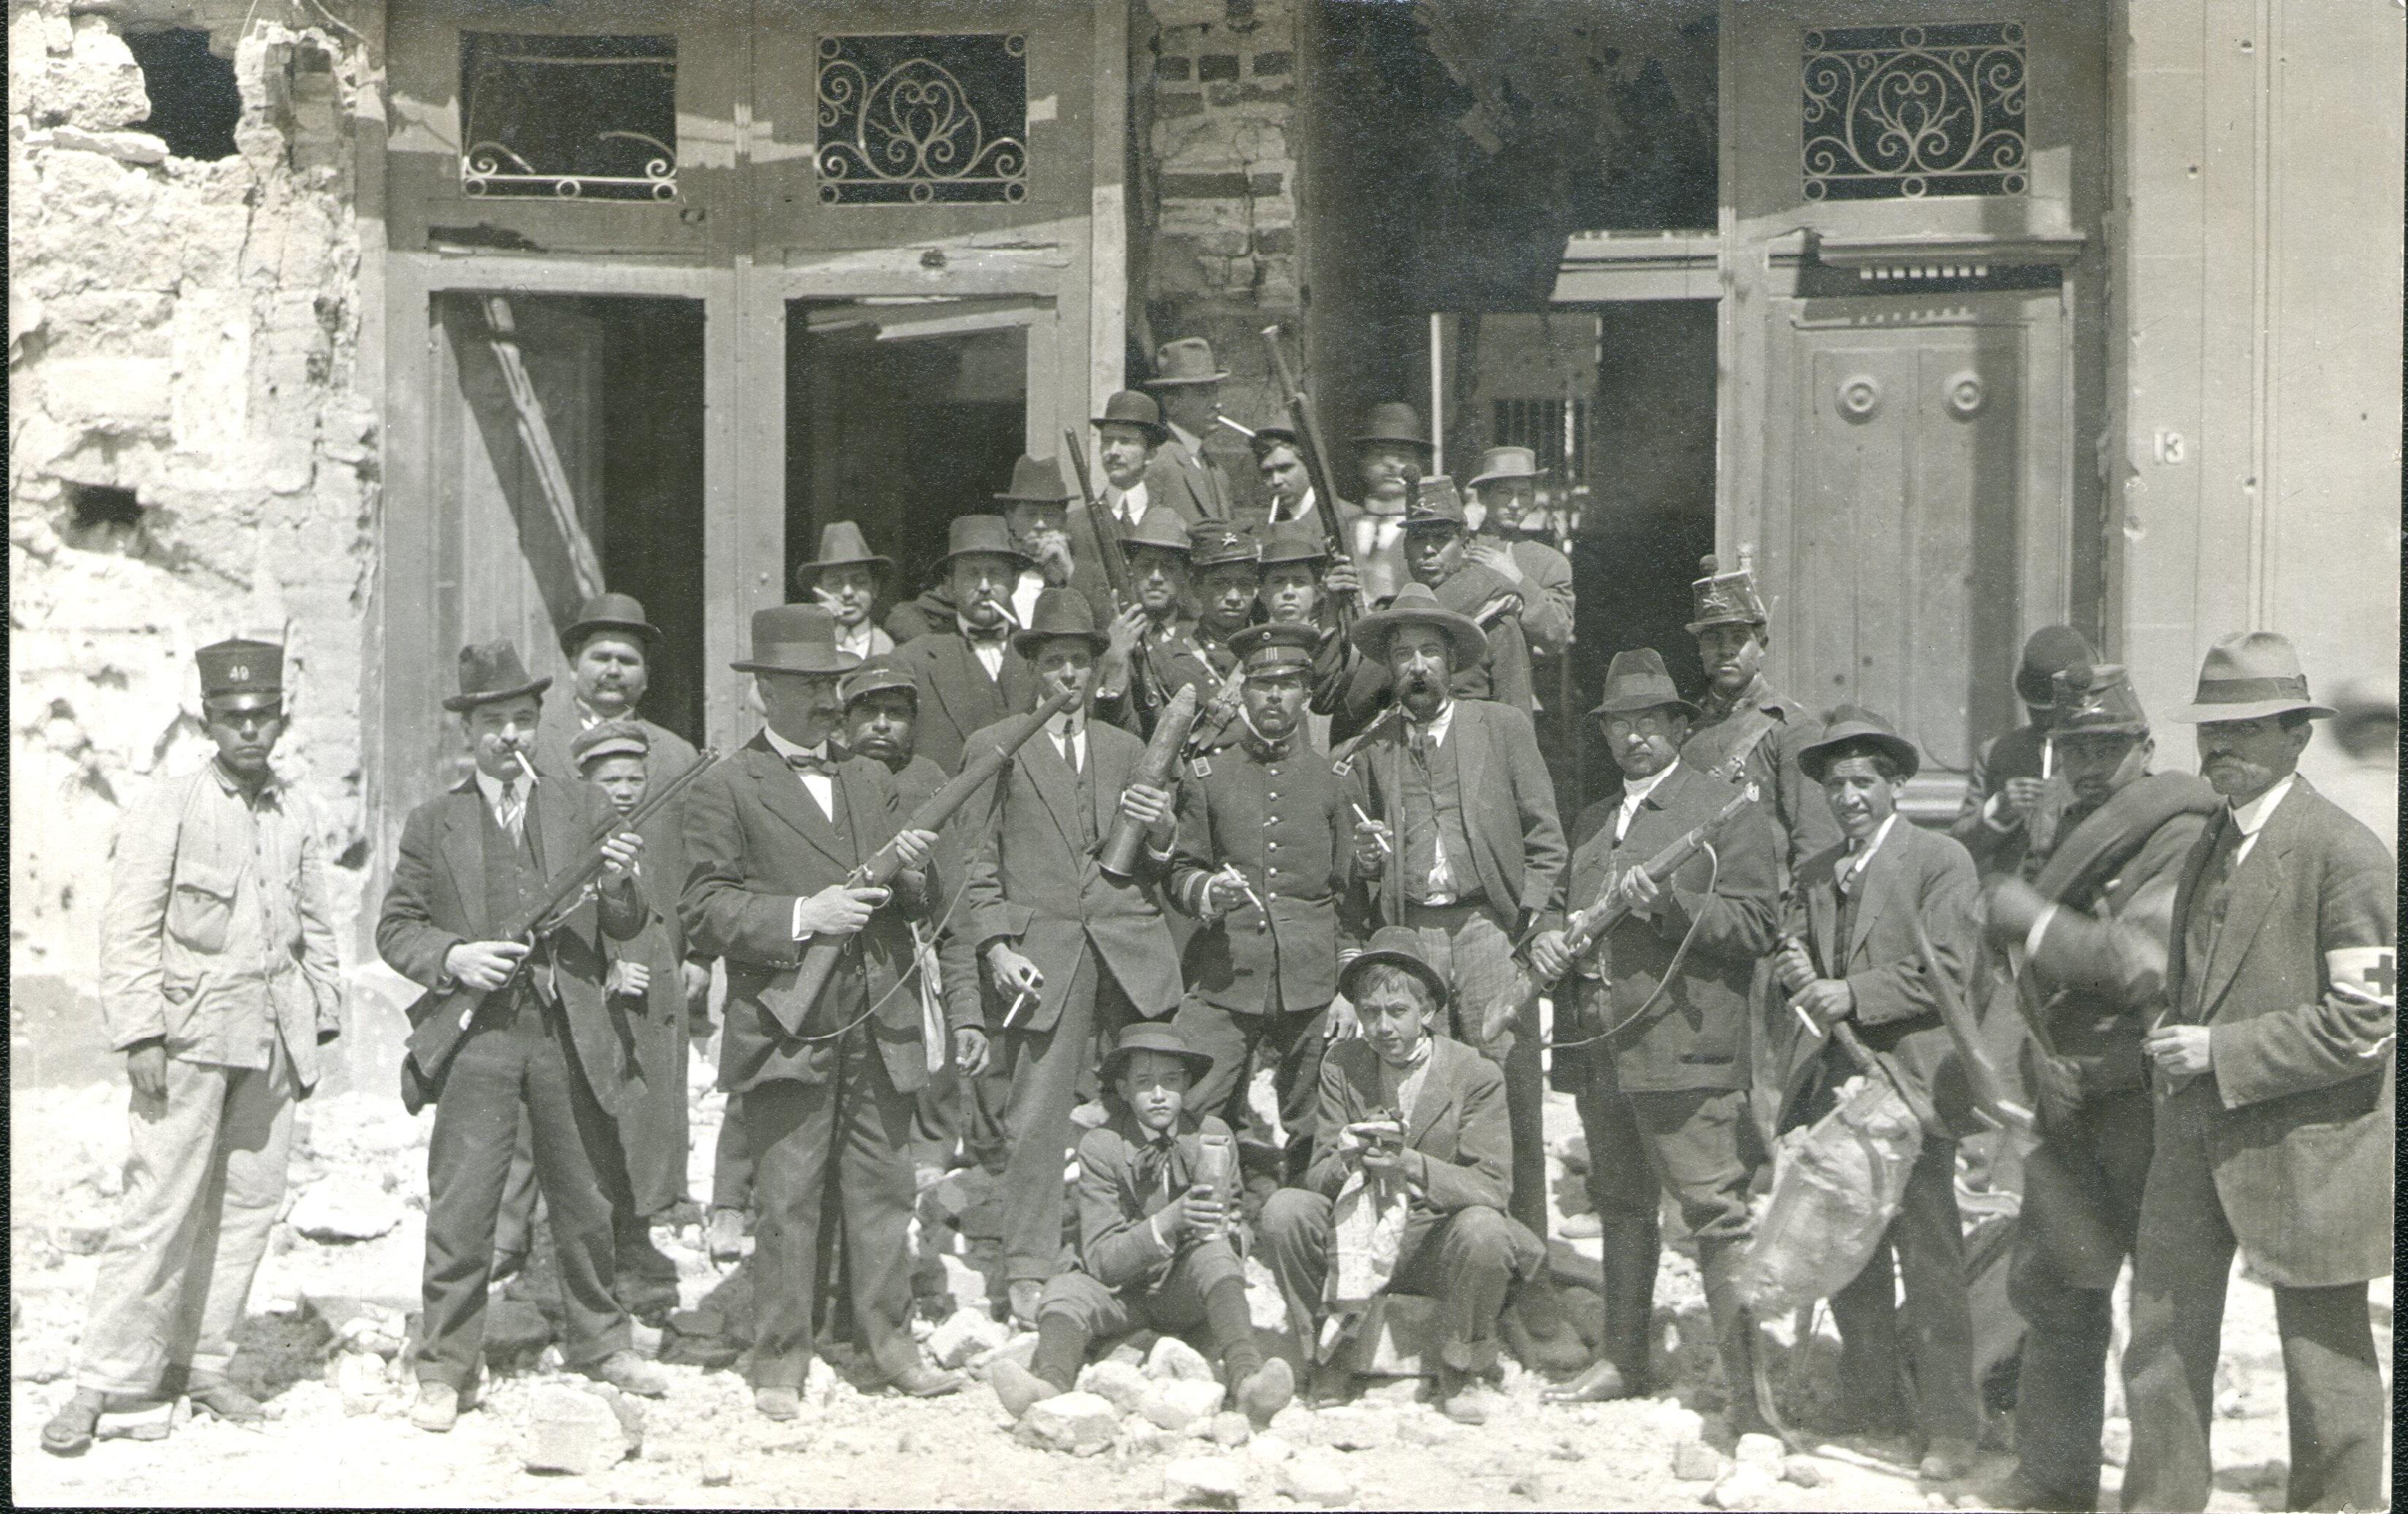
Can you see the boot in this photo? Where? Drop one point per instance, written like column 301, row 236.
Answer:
column 1630, row 1257
column 1736, row 1338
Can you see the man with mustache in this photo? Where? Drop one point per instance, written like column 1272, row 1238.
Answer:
column 1850, row 954
column 775, row 833
column 2010, row 815
column 219, row 982
column 1434, row 554
column 845, row 580
column 1161, row 559
column 2092, row 930
column 1036, row 509
column 967, row 674
column 1745, row 731
column 540, row 1039
column 1069, row 952
column 1186, row 384
column 1301, row 586
column 2271, row 1065
column 1393, row 450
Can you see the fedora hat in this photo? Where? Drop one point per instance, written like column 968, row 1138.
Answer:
column 841, row 545
column 241, row 674
column 1295, row 542
column 1852, row 722
column 490, row 672
column 795, row 638
column 1134, row 406
column 609, row 612
column 610, row 738
column 1036, row 480
column 1637, row 680
column 1216, row 543
column 877, row 675
column 988, row 534
column 1399, row 946
column 1725, row 599
column 2247, row 676
column 2047, row 652
column 2095, row 698
column 1059, row 612
column 1499, row 464
column 1435, row 503
column 1153, row 1035
column 1187, row 360
column 1393, row 420
column 1416, row 605
column 1160, row 527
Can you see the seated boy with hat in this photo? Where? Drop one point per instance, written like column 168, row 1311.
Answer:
column 1154, row 1237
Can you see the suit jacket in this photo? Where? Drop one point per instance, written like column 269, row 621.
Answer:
column 1032, row 879
column 1117, row 1245
column 1917, row 874
column 1546, row 593
column 1517, row 843
column 1457, row 1122
column 1503, row 676
column 1697, row 1036
column 665, row 833
column 437, row 900
column 758, row 844
column 956, row 695
column 1797, row 804
column 930, row 610
column 1190, row 482
column 2303, row 1140
column 1285, row 824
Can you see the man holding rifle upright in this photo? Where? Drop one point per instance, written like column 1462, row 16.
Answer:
column 536, row 1029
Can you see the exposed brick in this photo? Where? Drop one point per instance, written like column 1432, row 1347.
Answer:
column 1215, row 66
column 1282, row 91
column 1167, row 66
column 1204, row 186
column 1269, row 64
column 1221, row 94
column 1173, row 106
column 1275, row 240
column 1261, row 184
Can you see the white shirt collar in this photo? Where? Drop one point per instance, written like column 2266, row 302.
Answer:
column 1634, row 792
column 491, row 787
column 2251, row 817
column 1852, row 865
column 1129, row 503
column 1438, row 727
column 786, row 748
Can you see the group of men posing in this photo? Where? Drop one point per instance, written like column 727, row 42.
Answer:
column 1356, row 877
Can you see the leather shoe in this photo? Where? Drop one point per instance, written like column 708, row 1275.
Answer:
column 1949, row 1458
column 70, row 1431
column 777, row 1402
column 1602, row 1383
column 920, row 1381
column 1017, row 1387
column 630, row 1374
column 724, row 1235
column 1025, row 1295
column 437, row 1408
column 2016, row 1490
column 227, row 1402
column 1266, row 1390
column 1468, row 1400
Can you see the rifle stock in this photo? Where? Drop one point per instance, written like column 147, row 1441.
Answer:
column 1315, row 458
column 1607, row 913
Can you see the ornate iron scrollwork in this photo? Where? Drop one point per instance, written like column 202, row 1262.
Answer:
column 568, row 117
column 924, row 119
column 1902, row 112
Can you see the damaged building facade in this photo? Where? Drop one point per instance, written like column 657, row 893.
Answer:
column 380, row 327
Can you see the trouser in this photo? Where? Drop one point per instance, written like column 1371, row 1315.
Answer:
column 1466, row 1261
column 1044, row 1070
column 1687, row 1143
column 2066, row 1303
column 646, row 1279
column 855, row 1129
column 1933, row 1373
column 1290, row 1040
column 2332, row 1386
column 1180, row 1300
column 500, row 1069
column 204, row 1179
column 731, row 1159
column 1485, row 986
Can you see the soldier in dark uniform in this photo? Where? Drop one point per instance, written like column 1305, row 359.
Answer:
column 1301, row 586
column 1745, row 730
column 1264, row 856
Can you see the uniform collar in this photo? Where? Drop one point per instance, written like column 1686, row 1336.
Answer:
column 269, row 788
column 1757, row 694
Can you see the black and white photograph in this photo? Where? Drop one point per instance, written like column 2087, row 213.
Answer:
column 1243, row 754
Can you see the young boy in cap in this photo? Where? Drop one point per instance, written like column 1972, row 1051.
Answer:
column 1155, row 1250
column 219, row 885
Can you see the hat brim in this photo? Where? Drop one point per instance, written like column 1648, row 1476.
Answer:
column 1425, row 443
column 1187, row 382
column 1198, row 1063
column 242, row 701
column 1623, row 707
column 1497, row 478
column 1155, row 429
column 1013, row 552
column 1027, row 643
column 817, row 667
column 1352, row 972
column 459, row 703
column 1814, row 759
column 1463, row 633
column 873, row 559
column 1311, row 555
column 1697, row 626
column 626, row 746
column 576, row 634
column 2209, row 715
column 896, row 685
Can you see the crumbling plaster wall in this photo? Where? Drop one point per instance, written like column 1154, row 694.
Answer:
column 188, row 331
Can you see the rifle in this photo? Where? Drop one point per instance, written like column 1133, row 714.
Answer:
column 435, row 1030
column 1315, row 458
column 1145, row 680
column 1607, row 913
column 791, row 1005
column 1981, row 1077
column 1118, row 858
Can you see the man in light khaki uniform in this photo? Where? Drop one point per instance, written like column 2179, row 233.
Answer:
column 219, row 981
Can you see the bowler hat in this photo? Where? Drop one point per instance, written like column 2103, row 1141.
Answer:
column 1133, row 406
column 1850, row 725
column 1499, row 464
column 1725, row 599
column 1399, row 946
column 1153, row 1035
column 1276, row 643
column 1059, row 612
column 1036, row 480
column 610, row 737
column 1160, row 527
column 2095, row 696
column 2046, row 651
column 1416, row 605
column 609, row 612
column 1435, row 503
column 1216, row 543
column 795, row 638
column 988, row 534
column 876, row 676
column 1187, row 360
column 241, row 674
column 1393, row 420
column 2247, row 676
column 490, row 671
column 1637, row 680
column 841, row 545
column 1295, row 542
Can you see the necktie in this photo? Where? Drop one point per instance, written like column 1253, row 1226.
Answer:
column 810, row 762
column 1154, row 1164
column 513, row 806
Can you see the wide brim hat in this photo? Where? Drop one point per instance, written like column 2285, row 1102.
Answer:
column 2048, row 651
column 1059, row 612
column 1036, row 480
column 2248, row 676
column 1185, row 361
column 876, row 676
column 795, row 638
column 1416, row 605
column 1719, row 598
column 1134, row 406
column 991, row 535
column 1638, row 680
column 1152, row 1036
column 1850, row 724
column 1163, row 528
column 490, row 672
column 842, row 545
column 1393, row 420
column 609, row 612
column 1499, row 464
column 1295, row 542
column 1400, row 946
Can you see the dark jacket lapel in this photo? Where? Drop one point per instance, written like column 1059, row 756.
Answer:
column 2256, row 883
column 782, row 794
column 2180, row 971
column 464, row 848
column 1438, row 1092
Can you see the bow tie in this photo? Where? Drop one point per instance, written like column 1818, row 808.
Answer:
column 810, row 762
column 1000, row 632
column 1153, row 1161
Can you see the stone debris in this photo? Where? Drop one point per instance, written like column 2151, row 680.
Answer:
column 1021, row 1348
column 1178, row 1403
column 1802, row 1470
column 345, row 1206
column 1203, row 1482
column 1697, row 1462
column 1293, row 1424
column 1173, row 1360
column 1231, row 1428
column 1082, row 1424
column 1530, row 1485
column 717, row 1472
column 1122, row 1385
column 1349, row 1428
column 571, row 1431
column 1270, row 1449
column 363, row 1381
column 152, row 1424
column 1421, row 1430
column 1316, row 1477
column 1675, row 1423
column 1760, row 1450
column 966, row 1335
column 1749, row 1486
column 1141, row 1437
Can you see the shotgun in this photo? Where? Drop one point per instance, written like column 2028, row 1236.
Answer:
column 1145, row 680
column 1315, row 458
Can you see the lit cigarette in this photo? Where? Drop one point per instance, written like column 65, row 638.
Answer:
column 1368, row 821
column 1018, row 1002
column 2047, row 764
column 1244, row 431
column 1805, row 1020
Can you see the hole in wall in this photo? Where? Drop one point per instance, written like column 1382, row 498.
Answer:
column 102, row 518
column 195, row 102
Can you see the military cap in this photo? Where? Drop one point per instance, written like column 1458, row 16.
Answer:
column 610, row 737
column 2095, row 698
column 1214, row 543
column 1276, row 643
column 1725, row 599
column 241, row 674
column 1435, row 503
column 877, row 675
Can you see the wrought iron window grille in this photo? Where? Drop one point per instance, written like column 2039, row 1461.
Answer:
column 1908, row 112
column 572, row 117
column 924, row 119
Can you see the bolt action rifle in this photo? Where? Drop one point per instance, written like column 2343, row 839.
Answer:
column 1315, row 458
column 1145, row 680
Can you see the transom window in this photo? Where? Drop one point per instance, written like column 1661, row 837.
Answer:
column 569, row 118
column 924, row 119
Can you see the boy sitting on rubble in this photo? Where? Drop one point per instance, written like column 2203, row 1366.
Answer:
column 1154, row 1244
